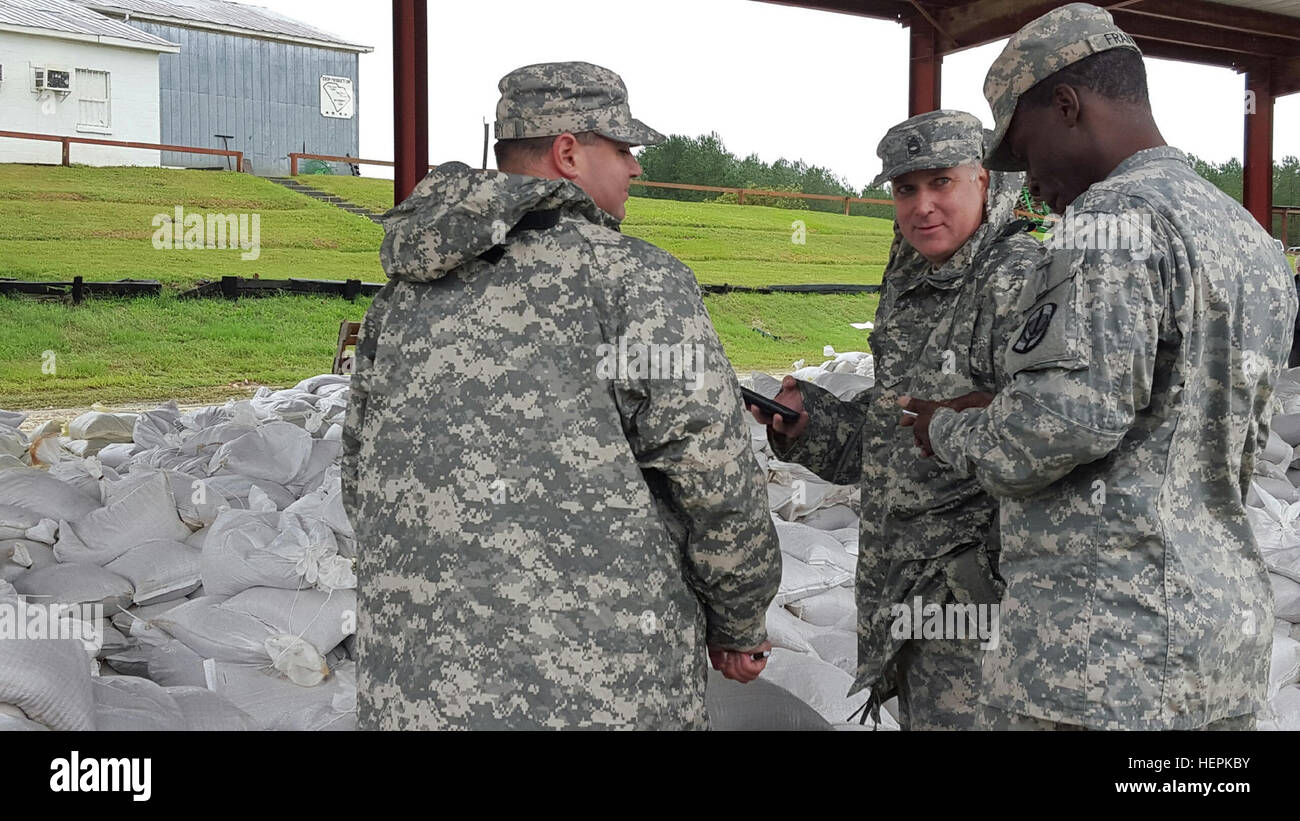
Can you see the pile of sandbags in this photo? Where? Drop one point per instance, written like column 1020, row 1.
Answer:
column 1273, row 507
column 215, row 546
column 812, row 623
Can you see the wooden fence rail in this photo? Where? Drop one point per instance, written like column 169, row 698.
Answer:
column 67, row 145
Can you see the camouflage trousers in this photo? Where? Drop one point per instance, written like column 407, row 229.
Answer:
column 991, row 718
column 938, row 684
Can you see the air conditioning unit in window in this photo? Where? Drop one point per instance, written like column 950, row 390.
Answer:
column 45, row 78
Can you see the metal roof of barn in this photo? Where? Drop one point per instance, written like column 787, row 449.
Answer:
column 71, row 21
column 221, row 15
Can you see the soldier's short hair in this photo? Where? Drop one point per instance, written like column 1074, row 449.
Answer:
column 515, row 153
column 1116, row 74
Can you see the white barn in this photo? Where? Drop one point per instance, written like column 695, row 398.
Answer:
column 67, row 70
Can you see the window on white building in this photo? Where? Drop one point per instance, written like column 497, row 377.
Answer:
column 93, row 100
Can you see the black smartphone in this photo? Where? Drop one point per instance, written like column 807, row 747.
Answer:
column 769, row 406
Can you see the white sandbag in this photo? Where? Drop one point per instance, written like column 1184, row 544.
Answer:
column 808, row 373
column 817, row 683
column 117, row 454
column 207, row 439
column 147, row 510
column 16, row 521
column 326, row 503
column 837, row 647
column 1287, row 426
column 1277, row 451
column 825, row 609
column 324, row 453
column 833, row 517
column 158, row 428
column 1284, row 667
column 110, row 427
column 1286, row 598
column 46, row 531
column 13, row 720
column 278, row 704
column 199, row 500
column 246, row 549
column 159, row 570
column 111, row 639
column 756, row 706
column 812, row 546
column 322, row 383
column 86, row 476
column 127, row 703
column 205, row 710
column 1283, row 711
column 48, row 680
column 173, row 664
column 123, row 619
column 197, row 538
column 1279, row 487
column 169, row 459
column 322, row 619
column 237, row 628
column 133, row 661
column 45, row 495
column 13, row 419
column 213, row 632
column 297, row 660
column 77, row 584
column 799, row 580
column 13, row 443
column 278, row 451
column 794, row 491
column 786, row 631
column 848, row 538
column 84, row 448
column 1277, row 530
column 17, row 556
column 843, row 385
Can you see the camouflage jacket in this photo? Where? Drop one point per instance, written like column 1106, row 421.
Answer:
column 1122, row 451
column 552, row 517
column 938, row 332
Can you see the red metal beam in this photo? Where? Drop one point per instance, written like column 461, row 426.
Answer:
column 1194, row 34
column 1232, row 18
column 410, row 163
column 421, row 87
column 1257, row 176
column 924, row 68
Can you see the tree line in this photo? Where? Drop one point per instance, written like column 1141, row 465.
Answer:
column 705, row 160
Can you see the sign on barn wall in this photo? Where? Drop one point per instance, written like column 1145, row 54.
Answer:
column 336, row 98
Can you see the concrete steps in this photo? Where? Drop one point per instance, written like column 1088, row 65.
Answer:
column 298, row 187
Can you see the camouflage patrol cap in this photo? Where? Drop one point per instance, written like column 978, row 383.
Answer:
column 1041, row 48
column 935, row 139
column 548, row 99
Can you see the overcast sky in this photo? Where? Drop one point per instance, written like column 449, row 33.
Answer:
column 771, row 80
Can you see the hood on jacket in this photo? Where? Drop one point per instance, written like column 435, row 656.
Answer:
column 456, row 213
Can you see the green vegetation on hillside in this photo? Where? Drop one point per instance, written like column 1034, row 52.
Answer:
column 57, row 222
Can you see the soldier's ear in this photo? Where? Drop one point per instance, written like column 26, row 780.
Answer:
column 564, row 155
column 1065, row 104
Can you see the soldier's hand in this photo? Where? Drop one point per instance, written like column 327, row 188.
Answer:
column 739, row 665
column 792, row 398
column 918, row 413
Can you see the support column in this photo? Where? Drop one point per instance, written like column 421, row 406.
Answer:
column 924, row 68
column 1257, row 174
column 410, row 96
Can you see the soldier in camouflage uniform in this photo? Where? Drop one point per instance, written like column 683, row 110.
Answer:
column 941, row 326
column 554, row 519
column 1122, row 450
